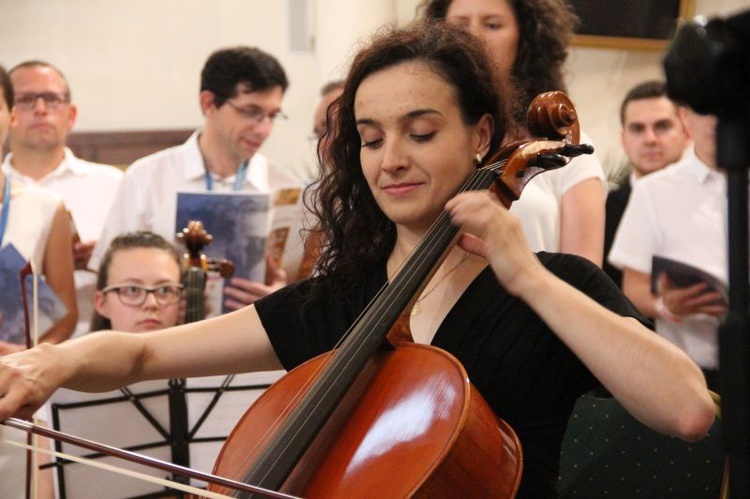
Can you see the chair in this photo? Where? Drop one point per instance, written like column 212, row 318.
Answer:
column 608, row 453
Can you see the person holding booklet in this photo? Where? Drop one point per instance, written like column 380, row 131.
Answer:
column 241, row 93
column 679, row 213
column 419, row 112
column 34, row 222
column 45, row 116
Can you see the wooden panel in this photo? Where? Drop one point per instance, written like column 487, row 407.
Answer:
column 121, row 148
column 637, row 24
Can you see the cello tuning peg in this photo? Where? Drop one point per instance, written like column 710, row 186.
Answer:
column 571, row 151
column 551, row 161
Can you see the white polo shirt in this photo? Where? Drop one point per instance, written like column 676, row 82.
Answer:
column 680, row 213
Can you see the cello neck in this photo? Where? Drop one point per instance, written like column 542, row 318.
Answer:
column 194, row 280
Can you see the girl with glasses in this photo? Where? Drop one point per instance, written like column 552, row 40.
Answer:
column 138, row 286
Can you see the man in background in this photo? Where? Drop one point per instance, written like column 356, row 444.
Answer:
column 43, row 118
column 653, row 137
column 241, row 93
column 680, row 213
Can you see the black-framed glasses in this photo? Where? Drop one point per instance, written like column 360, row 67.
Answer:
column 256, row 114
column 27, row 100
column 134, row 295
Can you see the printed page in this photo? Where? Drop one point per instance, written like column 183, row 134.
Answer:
column 12, row 324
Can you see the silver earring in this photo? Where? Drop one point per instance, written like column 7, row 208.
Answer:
column 478, row 159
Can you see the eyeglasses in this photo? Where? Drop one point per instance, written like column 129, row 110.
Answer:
column 52, row 100
column 256, row 114
column 134, row 295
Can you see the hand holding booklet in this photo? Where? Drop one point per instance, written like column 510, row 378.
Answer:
column 51, row 308
column 683, row 275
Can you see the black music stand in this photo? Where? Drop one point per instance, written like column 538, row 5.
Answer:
column 168, row 420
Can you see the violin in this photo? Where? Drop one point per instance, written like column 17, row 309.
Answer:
column 326, row 429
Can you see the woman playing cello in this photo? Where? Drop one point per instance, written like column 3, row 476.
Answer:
column 534, row 331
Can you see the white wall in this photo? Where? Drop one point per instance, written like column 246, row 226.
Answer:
column 135, row 64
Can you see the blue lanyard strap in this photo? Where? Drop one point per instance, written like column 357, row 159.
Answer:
column 6, row 209
column 239, row 177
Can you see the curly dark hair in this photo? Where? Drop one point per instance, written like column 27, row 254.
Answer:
column 126, row 241
column 358, row 234
column 250, row 66
column 545, row 29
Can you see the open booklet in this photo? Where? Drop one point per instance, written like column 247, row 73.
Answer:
column 51, row 308
column 245, row 227
column 683, row 275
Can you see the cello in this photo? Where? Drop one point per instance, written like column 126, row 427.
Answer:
column 342, row 434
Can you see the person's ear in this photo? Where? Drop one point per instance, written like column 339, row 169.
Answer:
column 484, row 130
column 207, row 100
column 72, row 115
column 100, row 304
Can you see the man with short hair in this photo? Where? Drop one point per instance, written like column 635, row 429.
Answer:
column 680, row 213
column 43, row 118
column 653, row 137
column 240, row 96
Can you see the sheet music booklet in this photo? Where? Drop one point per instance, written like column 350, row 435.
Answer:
column 51, row 308
column 683, row 275
column 246, row 226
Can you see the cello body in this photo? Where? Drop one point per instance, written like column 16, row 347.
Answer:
column 411, row 426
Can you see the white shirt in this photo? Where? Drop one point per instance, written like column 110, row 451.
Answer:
column 30, row 220
column 147, row 197
column 87, row 189
column 29, row 223
column 680, row 213
column 538, row 208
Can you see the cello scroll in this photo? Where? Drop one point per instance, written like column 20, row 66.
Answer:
column 553, row 123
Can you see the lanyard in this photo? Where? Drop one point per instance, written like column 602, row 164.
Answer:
column 239, row 177
column 6, row 209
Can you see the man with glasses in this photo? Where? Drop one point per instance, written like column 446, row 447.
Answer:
column 43, row 116
column 240, row 96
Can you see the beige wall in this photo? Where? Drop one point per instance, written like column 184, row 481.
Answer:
column 135, row 64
